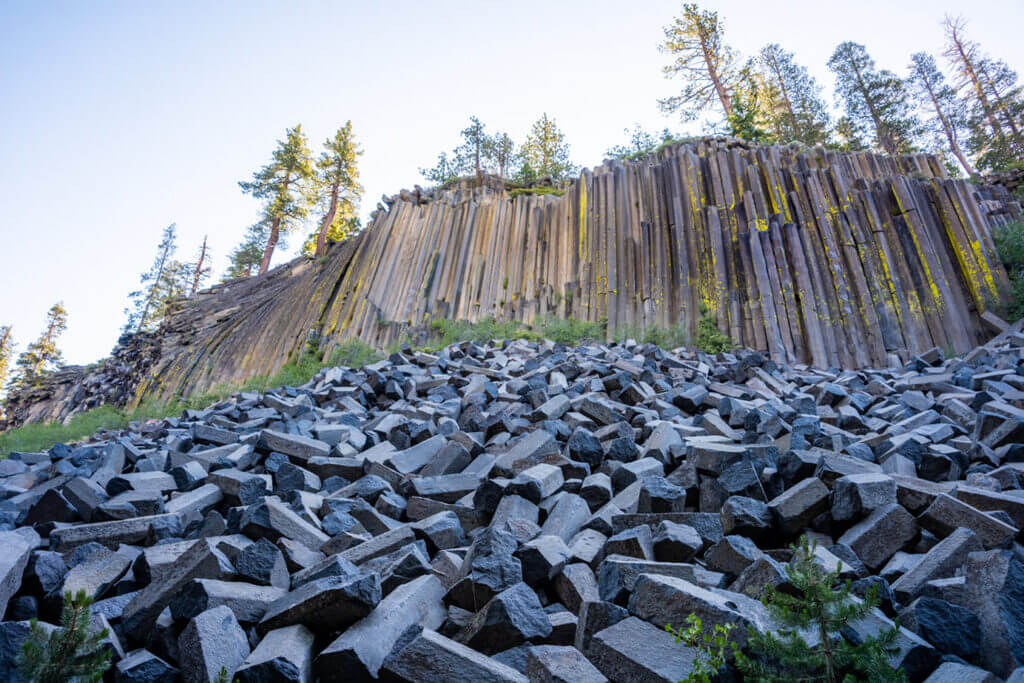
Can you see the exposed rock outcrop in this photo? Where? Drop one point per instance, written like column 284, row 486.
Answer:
column 818, row 257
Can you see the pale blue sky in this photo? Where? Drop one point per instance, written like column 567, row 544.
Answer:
column 117, row 118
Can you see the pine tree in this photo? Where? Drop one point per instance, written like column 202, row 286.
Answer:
column 748, row 120
column 876, row 102
column 443, row 172
column 246, row 257
column 546, row 151
column 165, row 281
column 199, row 271
column 525, row 175
column 696, row 41
column 640, row 143
column 42, row 355
column 790, row 98
column 995, row 102
column 286, row 187
column 500, row 151
column 338, row 179
column 6, row 352
column 471, row 155
column 847, row 137
column 72, row 652
column 1001, row 82
column 947, row 114
column 824, row 606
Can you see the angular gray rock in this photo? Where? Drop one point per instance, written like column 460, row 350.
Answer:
column 211, row 641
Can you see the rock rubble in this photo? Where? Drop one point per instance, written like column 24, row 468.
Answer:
column 530, row 511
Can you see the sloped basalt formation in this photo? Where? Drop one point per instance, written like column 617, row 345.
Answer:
column 818, row 257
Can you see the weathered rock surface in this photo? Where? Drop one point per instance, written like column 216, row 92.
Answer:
column 713, row 224
column 444, row 517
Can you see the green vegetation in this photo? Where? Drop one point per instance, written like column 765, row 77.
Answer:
column 6, row 351
column 823, row 605
column 455, row 331
column 42, row 356
column 770, row 97
column 543, row 154
column 36, row 437
column 337, row 190
column 569, row 331
column 712, row 647
column 287, row 187
column 539, row 190
column 559, row 330
column 670, row 337
column 709, row 338
column 1009, row 242
column 641, row 144
column 73, row 652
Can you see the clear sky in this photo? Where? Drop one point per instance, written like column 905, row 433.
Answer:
column 118, row 118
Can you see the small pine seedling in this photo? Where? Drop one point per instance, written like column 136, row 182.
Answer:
column 711, row 647
column 824, row 606
column 69, row 653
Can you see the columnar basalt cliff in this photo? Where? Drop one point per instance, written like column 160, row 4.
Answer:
column 817, row 257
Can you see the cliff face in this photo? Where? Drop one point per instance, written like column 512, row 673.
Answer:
column 819, row 257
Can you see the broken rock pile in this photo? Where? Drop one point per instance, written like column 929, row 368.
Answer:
column 531, row 512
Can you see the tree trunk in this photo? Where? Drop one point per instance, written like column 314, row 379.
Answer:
column 723, row 95
column 199, row 268
column 972, row 76
column 275, row 231
column 881, row 129
column 1007, row 115
column 826, row 648
column 325, row 223
column 789, row 102
column 954, row 146
column 275, row 234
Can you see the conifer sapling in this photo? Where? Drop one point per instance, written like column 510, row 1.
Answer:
column 810, row 645
column 73, row 652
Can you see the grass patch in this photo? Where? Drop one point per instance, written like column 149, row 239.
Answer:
column 540, row 190
column 354, row 354
column 38, row 437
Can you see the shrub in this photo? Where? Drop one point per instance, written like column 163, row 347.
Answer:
column 824, row 606
column 709, row 338
column 1009, row 241
column 70, row 653
column 354, row 354
column 569, row 331
column 670, row 337
column 711, row 647
column 454, row 331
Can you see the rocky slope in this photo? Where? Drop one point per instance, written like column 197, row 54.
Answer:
column 532, row 512
column 836, row 260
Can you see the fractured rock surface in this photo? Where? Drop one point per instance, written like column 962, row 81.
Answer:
column 528, row 511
